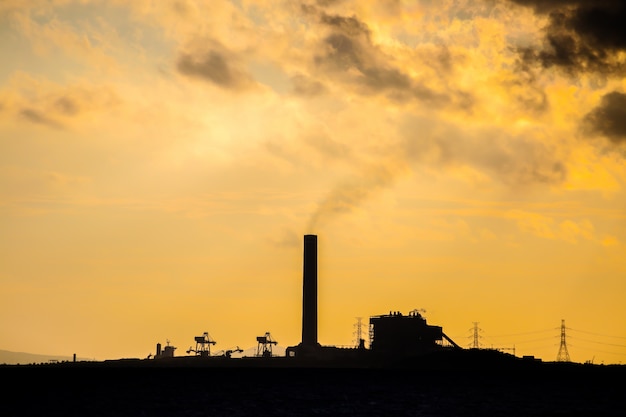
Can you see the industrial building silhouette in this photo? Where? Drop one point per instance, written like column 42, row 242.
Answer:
column 391, row 335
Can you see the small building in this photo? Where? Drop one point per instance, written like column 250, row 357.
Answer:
column 167, row 352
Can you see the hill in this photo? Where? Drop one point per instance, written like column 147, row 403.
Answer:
column 23, row 358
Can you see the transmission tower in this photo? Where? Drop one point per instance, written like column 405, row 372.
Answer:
column 563, row 355
column 358, row 332
column 475, row 344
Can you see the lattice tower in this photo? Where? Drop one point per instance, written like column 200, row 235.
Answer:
column 563, row 355
column 475, row 343
column 358, row 332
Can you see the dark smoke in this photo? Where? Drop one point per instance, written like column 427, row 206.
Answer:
column 349, row 195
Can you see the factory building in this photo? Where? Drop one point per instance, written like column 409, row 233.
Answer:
column 398, row 334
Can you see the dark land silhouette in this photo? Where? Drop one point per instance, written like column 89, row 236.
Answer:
column 125, row 389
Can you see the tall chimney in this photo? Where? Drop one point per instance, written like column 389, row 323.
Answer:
column 309, row 292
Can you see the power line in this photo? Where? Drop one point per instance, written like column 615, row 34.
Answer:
column 600, row 343
column 525, row 333
column 537, row 340
column 477, row 336
column 597, row 334
column 596, row 350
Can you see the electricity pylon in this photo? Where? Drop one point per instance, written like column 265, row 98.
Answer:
column 475, row 343
column 563, row 355
column 358, row 331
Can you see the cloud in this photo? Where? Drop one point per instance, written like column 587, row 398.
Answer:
column 57, row 106
column 51, row 35
column 67, row 105
column 306, row 87
column 545, row 227
column 357, row 55
column 347, row 53
column 609, row 118
column 571, row 231
column 217, row 65
column 325, row 3
column 37, row 117
column 581, row 36
column 515, row 160
column 328, row 147
column 524, row 87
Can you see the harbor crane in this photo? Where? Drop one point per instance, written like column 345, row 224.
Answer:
column 264, row 346
column 203, row 345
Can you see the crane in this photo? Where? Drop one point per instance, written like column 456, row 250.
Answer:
column 203, row 345
column 264, row 346
column 229, row 352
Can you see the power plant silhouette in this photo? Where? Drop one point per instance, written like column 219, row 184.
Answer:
column 390, row 334
column 392, row 337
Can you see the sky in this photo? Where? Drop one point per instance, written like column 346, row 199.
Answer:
column 161, row 161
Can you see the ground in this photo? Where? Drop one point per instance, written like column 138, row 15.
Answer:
column 128, row 391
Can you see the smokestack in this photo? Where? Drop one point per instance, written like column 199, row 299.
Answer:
column 309, row 292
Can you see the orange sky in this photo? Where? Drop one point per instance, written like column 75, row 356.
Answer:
column 160, row 163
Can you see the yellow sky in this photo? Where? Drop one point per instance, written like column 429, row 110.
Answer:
column 160, row 163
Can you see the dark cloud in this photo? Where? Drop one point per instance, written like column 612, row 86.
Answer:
column 350, row 25
column 181, row 8
column 519, row 161
column 217, row 66
column 61, row 108
column 326, row 3
column 581, row 36
column 545, row 6
column 348, row 53
column 66, row 106
column 343, row 53
column 37, row 117
column 526, row 90
column 609, row 118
